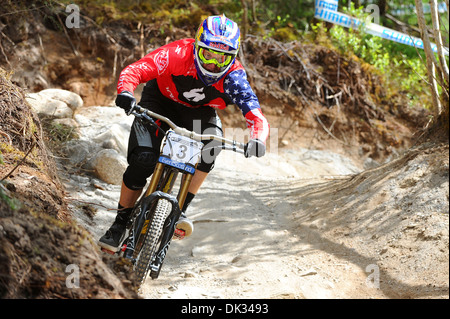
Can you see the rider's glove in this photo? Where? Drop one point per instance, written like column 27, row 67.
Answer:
column 254, row 148
column 126, row 101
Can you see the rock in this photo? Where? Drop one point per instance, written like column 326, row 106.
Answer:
column 190, row 274
column 109, row 166
column 94, row 121
column 319, row 224
column 309, row 272
column 80, row 152
column 116, row 138
column 284, row 142
column 72, row 100
column 237, row 259
column 43, row 105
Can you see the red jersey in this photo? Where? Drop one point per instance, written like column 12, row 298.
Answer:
column 173, row 67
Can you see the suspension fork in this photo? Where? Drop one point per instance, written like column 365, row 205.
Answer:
column 185, row 182
column 155, row 179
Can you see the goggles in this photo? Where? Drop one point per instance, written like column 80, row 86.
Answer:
column 208, row 56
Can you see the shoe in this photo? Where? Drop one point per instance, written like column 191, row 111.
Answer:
column 111, row 240
column 113, row 237
column 184, row 227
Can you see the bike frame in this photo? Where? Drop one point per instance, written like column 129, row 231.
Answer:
column 160, row 187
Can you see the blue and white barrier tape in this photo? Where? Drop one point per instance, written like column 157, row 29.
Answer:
column 327, row 10
column 411, row 9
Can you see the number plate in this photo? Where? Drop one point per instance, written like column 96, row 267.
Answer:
column 182, row 149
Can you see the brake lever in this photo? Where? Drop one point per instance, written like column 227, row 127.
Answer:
column 131, row 110
column 224, row 147
column 147, row 119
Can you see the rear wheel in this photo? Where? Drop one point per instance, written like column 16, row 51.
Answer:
column 152, row 239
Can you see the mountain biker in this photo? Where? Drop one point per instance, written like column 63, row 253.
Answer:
column 186, row 80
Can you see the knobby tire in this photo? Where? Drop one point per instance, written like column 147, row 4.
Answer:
column 152, row 240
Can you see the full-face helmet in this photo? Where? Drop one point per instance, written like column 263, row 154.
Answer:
column 215, row 49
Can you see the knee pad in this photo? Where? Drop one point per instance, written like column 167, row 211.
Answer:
column 205, row 167
column 210, row 151
column 142, row 162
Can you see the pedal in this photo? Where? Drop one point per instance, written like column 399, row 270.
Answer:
column 179, row 234
column 186, row 225
column 107, row 251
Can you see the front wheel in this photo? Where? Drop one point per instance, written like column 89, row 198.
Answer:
column 152, row 239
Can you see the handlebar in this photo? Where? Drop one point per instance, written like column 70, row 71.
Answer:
column 141, row 112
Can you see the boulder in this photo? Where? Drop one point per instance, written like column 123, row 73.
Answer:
column 80, row 152
column 109, row 166
column 46, row 106
column 116, row 137
column 94, row 121
column 73, row 100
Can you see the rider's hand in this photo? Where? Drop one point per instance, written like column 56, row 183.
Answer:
column 126, row 101
column 254, row 148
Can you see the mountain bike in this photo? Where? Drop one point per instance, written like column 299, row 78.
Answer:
column 152, row 225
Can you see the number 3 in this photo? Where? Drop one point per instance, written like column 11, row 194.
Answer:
column 182, row 151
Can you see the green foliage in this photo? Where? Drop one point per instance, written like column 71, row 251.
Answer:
column 402, row 67
column 297, row 13
column 402, row 72
column 369, row 48
column 319, row 35
column 285, row 34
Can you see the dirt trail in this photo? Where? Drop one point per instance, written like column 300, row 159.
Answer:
column 302, row 224
column 247, row 245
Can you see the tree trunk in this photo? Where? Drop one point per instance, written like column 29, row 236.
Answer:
column 244, row 21
column 430, row 58
column 382, row 4
column 255, row 18
column 438, row 39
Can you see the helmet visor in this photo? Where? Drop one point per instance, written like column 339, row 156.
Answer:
column 220, row 59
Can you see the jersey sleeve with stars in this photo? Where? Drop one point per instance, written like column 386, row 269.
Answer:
column 239, row 91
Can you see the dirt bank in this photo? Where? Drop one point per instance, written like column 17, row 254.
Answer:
column 41, row 246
